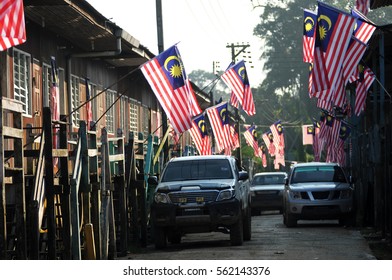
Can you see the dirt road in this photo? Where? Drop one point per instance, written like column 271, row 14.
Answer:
column 271, row 240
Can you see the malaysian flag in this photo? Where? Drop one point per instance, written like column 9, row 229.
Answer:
column 54, row 91
column 250, row 135
column 219, row 121
column 307, row 134
column 319, row 85
column 316, row 141
column 344, row 131
column 277, row 132
column 54, row 103
column 166, row 75
column 12, row 24
column 89, row 111
column 200, row 136
column 332, row 39
column 195, row 107
column 361, row 90
column 364, row 28
column 363, row 31
column 269, row 142
column 234, row 100
column 236, row 78
column 264, row 156
column 362, row 6
column 334, row 132
column 310, row 24
column 354, row 55
column 339, row 154
column 234, row 138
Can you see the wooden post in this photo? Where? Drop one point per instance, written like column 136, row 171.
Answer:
column 49, row 183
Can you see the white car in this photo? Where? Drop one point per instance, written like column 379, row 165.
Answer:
column 266, row 191
column 316, row 191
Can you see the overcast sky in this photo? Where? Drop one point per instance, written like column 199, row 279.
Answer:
column 202, row 29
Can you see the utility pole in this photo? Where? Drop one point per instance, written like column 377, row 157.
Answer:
column 165, row 127
column 236, row 50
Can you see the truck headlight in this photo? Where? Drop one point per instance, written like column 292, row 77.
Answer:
column 295, row 195
column 161, row 198
column 225, row 194
column 345, row 194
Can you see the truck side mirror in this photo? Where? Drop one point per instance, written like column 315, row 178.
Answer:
column 152, row 180
column 243, row 176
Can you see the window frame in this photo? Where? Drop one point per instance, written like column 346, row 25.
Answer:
column 23, row 93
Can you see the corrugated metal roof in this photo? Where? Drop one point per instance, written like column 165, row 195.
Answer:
column 87, row 29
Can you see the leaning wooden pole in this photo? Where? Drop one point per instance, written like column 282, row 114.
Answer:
column 49, row 183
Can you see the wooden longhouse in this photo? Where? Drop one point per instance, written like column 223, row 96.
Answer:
column 72, row 189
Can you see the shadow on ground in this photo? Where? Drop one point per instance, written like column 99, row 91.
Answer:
column 380, row 246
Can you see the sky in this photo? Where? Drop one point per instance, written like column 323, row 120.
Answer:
column 202, row 29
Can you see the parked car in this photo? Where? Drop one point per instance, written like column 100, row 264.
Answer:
column 201, row 194
column 266, row 191
column 315, row 191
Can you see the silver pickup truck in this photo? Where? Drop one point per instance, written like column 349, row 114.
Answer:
column 201, row 194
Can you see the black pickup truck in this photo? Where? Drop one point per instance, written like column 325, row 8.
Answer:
column 201, row 194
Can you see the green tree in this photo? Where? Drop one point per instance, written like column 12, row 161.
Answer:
column 210, row 83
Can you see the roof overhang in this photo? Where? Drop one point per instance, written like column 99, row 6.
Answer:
column 88, row 31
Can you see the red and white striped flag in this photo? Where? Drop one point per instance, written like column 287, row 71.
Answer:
column 332, row 39
column 54, row 91
column 55, row 104
column 236, row 78
column 309, row 34
column 354, row 55
column 89, row 111
column 195, row 107
column 307, row 134
column 219, row 121
column 166, row 75
column 251, row 139
column 362, row 6
column 277, row 132
column 364, row 27
column 235, row 142
column 362, row 89
column 199, row 135
column 12, row 24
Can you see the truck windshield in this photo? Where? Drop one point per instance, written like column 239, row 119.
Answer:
column 318, row 174
column 197, row 170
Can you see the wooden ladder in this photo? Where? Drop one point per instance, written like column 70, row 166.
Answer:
column 12, row 186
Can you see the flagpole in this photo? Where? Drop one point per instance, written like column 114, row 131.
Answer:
column 165, row 128
column 237, row 114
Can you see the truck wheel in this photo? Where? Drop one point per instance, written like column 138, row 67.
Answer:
column 344, row 220
column 248, row 225
column 289, row 220
column 160, row 238
column 175, row 237
column 237, row 233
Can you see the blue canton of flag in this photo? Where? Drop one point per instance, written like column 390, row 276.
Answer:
column 173, row 67
column 223, row 113
column 326, row 23
column 201, row 125
column 310, row 24
column 344, row 131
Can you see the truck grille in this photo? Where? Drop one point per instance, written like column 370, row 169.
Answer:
column 193, row 196
column 322, row 195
